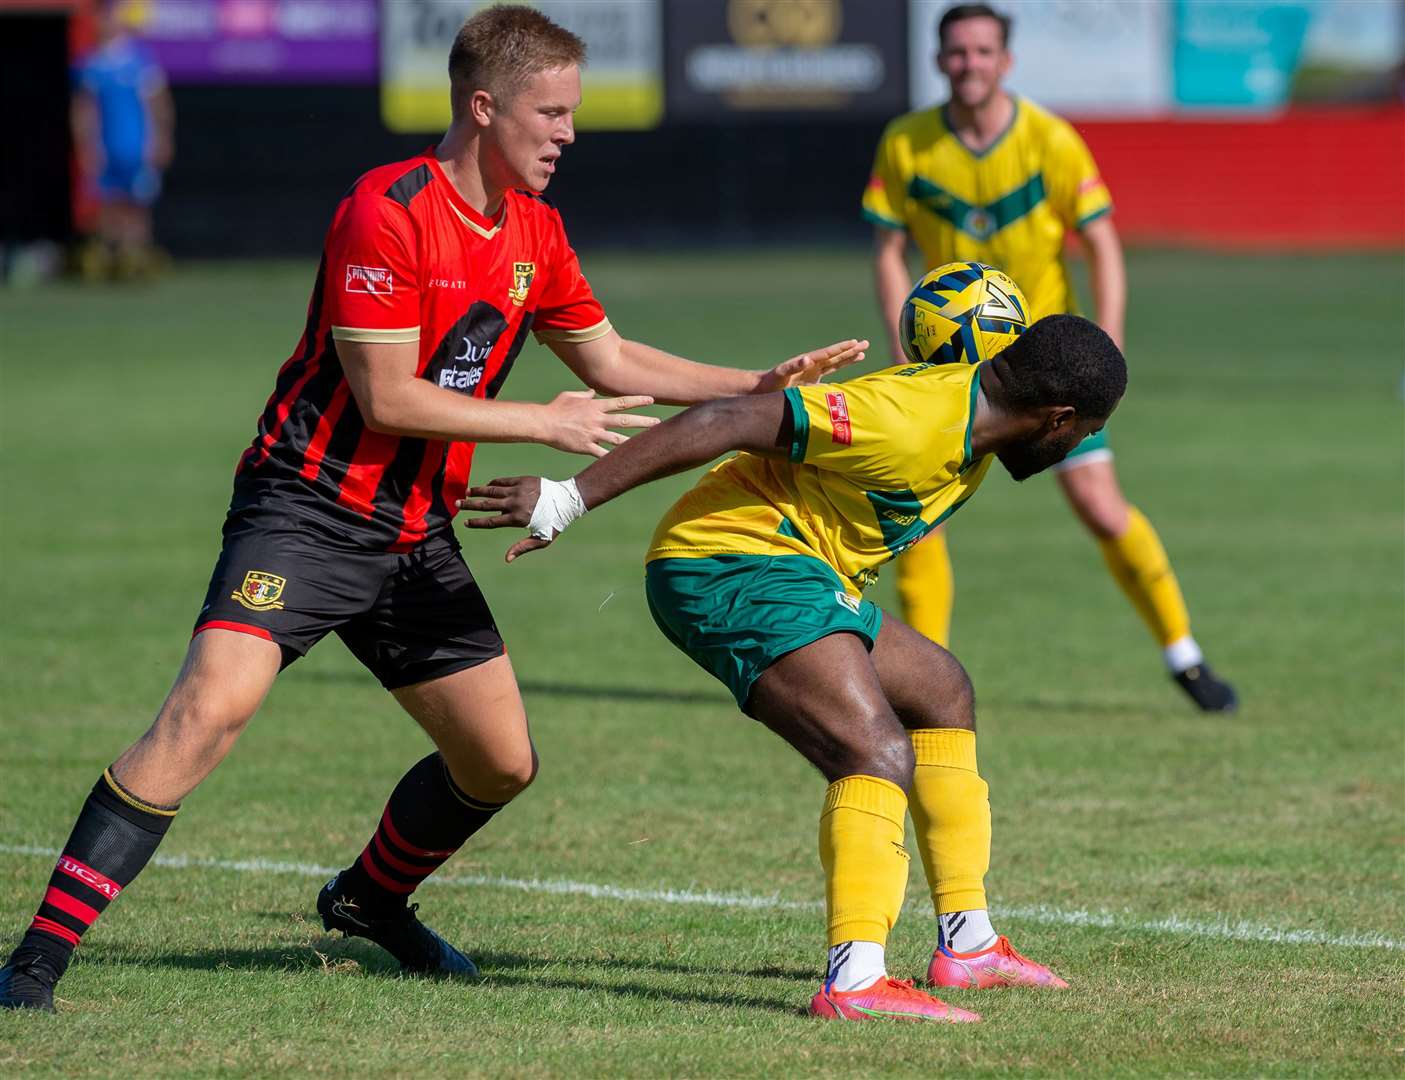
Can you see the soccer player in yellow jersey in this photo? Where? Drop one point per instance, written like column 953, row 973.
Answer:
column 757, row 573
column 992, row 178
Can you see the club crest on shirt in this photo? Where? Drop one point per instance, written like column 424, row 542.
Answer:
column 979, row 222
column 261, row 591
column 522, row 274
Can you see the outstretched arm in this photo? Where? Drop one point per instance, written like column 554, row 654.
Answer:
column 760, row 423
column 615, row 365
column 394, row 401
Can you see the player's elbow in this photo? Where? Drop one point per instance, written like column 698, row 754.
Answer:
column 611, row 383
column 381, row 413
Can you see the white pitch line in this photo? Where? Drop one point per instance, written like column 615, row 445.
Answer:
column 1174, row 925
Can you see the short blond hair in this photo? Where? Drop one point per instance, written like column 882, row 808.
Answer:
column 501, row 47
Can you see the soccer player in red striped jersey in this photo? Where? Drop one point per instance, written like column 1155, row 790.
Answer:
column 435, row 270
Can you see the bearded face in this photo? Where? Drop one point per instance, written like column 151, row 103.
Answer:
column 1025, row 459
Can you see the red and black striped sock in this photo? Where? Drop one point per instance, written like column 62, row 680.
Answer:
column 427, row 819
column 114, row 836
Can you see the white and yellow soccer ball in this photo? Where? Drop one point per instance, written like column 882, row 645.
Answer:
column 962, row 313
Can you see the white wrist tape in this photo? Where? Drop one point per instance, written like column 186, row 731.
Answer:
column 558, row 505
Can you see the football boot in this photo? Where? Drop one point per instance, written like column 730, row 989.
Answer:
column 418, row 948
column 1209, row 692
column 886, row 999
column 27, row 982
column 999, row 965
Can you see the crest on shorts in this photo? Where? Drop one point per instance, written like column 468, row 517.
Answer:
column 522, row 274
column 260, row 591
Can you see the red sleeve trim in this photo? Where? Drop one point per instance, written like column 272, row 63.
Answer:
column 238, row 627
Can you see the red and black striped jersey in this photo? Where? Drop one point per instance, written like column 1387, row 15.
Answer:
column 407, row 259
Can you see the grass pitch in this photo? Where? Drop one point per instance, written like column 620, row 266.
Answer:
column 1224, row 894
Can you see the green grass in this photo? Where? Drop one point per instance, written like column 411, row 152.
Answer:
column 1263, row 436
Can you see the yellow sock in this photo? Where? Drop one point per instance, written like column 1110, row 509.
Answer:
column 950, row 806
column 1139, row 565
column 865, row 864
column 927, row 587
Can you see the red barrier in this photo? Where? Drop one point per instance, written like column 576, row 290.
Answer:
column 1310, row 178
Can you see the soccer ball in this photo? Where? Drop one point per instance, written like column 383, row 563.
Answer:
column 962, row 313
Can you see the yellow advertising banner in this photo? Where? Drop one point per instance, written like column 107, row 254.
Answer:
column 622, row 83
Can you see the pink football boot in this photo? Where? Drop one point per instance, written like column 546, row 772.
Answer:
column 999, row 965
column 887, row 999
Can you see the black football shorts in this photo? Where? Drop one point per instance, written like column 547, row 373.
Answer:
column 408, row 617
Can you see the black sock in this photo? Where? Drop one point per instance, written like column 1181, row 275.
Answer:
column 114, row 836
column 427, row 819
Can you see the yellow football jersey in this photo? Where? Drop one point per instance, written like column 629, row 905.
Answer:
column 875, row 463
column 1009, row 206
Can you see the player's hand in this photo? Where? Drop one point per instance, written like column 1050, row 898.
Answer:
column 578, row 421
column 811, row 367
column 510, row 502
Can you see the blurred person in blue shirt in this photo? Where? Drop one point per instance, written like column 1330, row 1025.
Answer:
column 123, row 130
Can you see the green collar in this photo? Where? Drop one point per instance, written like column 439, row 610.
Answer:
column 978, row 154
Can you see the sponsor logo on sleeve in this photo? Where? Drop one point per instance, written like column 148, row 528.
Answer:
column 261, row 591
column 841, row 431
column 369, row 279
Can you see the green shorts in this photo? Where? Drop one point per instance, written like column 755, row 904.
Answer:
column 1093, row 448
column 736, row 615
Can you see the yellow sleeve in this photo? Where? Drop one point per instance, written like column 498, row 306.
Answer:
column 885, row 196
column 883, row 430
column 1075, row 189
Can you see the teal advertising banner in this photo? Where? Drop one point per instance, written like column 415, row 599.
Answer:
column 1238, row 54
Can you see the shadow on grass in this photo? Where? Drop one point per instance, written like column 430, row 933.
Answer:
column 1122, row 710
column 545, row 689
column 659, row 695
column 493, row 962
column 297, row 956
column 787, row 1007
column 328, row 957
column 625, row 693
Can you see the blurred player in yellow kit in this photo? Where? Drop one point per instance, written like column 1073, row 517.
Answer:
column 991, row 178
column 757, row 573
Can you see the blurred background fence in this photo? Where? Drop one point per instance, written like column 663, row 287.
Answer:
column 1233, row 123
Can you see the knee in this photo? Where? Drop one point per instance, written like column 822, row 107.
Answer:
column 893, row 759
column 885, row 753
column 960, row 710
column 947, row 698
column 1099, row 505
column 1105, row 520
column 199, row 724
column 504, row 778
